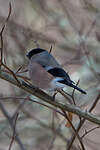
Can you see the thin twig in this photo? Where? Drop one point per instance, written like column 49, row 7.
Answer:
column 64, row 94
column 92, row 26
column 12, row 126
column 26, row 99
column 82, row 122
column 50, row 49
column 18, row 69
column 20, row 76
column 14, row 132
column 13, row 74
column 1, row 49
column 26, row 70
column 74, row 93
column 52, row 142
column 55, row 131
column 1, row 33
column 87, row 132
column 9, row 14
column 18, row 108
column 75, row 131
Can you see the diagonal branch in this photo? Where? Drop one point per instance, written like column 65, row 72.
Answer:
column 46, row 98
column 75, row 131
column 82, row 122
column 87, row 132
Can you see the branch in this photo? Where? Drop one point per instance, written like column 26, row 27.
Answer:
column 87, row 132
column 82, row 122
column 14, row 132
column 1, row 33
column 46, row 98
column 12, row 126
column 76, row 133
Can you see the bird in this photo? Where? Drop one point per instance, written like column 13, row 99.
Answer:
column 46, row 73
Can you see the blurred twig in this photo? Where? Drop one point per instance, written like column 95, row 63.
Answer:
column 11, row 72
column 70, row 19
column 14, row 133
column 75, row 131
column 55, row 131
column 29, row 99
column 73, row 93
column 12, row 126
column 1, row 36
column 82, row 122
column 87, row 132
column 19, row 69
column 63, row 93
column 50, row 49
column 1, row 33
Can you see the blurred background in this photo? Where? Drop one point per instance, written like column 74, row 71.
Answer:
column 73, row 30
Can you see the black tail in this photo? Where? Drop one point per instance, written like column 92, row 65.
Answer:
column 77, row 88
column 70, row 83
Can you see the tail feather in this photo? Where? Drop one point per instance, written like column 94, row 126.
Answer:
column 71, row 84
column 77, row 88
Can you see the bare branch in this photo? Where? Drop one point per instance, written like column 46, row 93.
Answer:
column 26, row 99
column 14, row 132
column 50, row 49
column 82, row 122
column 87, row 132
column 73, row 93
column 18, row 69
column 46, row 98
column 1, row 33
column 75, row 131
column 14, row 75
column 12, row 126
column 63, row 93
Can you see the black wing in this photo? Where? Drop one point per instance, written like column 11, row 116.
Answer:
column 59, row 72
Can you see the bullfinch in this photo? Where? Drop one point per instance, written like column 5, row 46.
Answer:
column 46, row 73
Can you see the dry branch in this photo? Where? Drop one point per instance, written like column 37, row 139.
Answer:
column 46, row 98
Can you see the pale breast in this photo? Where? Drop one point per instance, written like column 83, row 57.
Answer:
column 38, row 75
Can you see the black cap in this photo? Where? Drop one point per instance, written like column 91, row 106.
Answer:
column 34, row 51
